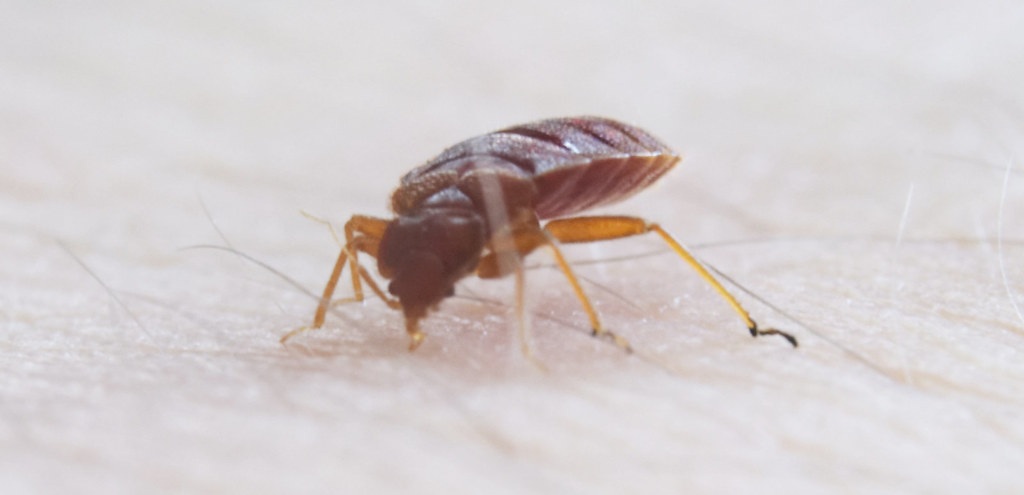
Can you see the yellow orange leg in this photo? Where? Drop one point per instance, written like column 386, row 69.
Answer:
column 362, row 233
column 365, row 275
column 525, row 241
column 369, row 230
column 600, row 228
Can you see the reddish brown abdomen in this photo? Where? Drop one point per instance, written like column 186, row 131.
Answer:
column 575, row 163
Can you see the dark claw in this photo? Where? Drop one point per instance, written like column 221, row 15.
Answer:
column 757, row 332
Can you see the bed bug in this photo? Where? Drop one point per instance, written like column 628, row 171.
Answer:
column 476, row 209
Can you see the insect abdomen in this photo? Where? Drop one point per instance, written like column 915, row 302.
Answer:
column 575, row 163
column 614, row 161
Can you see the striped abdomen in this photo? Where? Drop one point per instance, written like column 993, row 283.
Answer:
column 573, row 164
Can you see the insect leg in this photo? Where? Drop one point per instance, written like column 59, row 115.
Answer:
column 525, row 240
column 600, row 228
column 325, row 299
column 369, row 230
column 390, row 301
column 362, row 233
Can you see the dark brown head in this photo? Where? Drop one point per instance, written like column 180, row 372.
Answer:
column 425, row 254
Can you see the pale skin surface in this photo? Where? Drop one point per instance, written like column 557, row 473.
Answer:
column 862, row 154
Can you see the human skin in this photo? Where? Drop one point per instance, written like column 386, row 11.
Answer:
column 859, row 170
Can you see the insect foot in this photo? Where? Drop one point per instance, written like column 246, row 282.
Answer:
column 757, row 332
